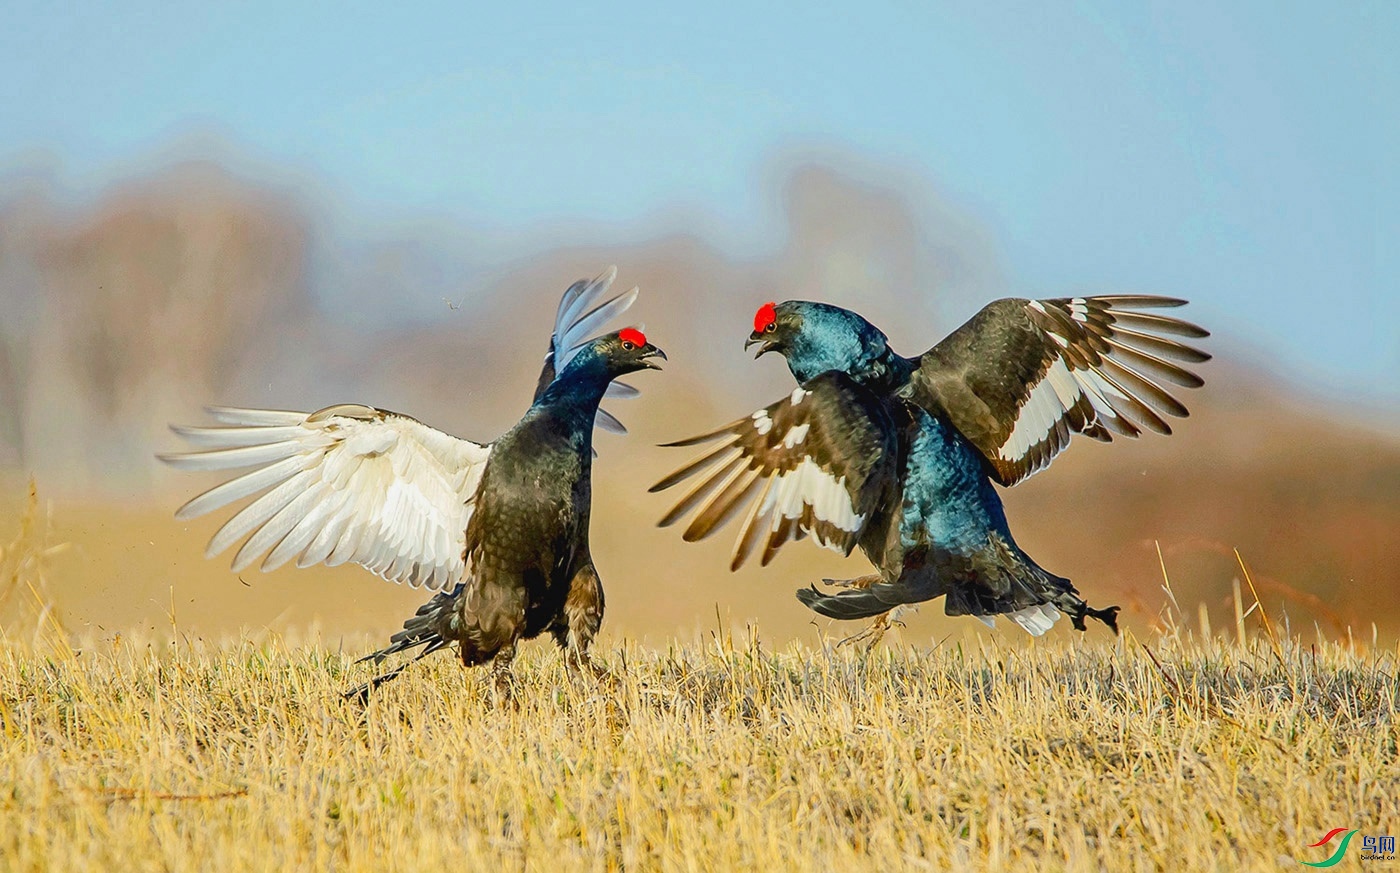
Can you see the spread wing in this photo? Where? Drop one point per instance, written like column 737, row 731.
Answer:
column 1023, row 376
column 347, row 483
column 584, row 308
column 819, row 462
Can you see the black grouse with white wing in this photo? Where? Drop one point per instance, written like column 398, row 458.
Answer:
column 499, row 530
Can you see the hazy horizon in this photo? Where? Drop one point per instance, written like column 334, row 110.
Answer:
column 1241, row 157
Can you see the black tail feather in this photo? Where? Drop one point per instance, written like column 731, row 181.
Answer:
column 425, row 628
column 361, row 693
column 847, row 605
column 1108, row 615
column 852, row 604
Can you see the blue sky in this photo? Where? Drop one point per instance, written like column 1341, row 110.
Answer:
column 1240, row 154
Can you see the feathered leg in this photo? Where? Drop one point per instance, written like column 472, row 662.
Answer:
column 583, row 616
column 493, row 618
column 502, row 679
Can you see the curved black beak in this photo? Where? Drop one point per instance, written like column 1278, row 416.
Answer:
column 756, row 337
column 651, row 351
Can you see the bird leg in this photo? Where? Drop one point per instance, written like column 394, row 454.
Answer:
column 860, row 582
column 581, row 665
column 583, row 615
column 502, row 679
column 872, row 635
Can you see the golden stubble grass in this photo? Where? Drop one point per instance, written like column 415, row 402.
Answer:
column 1174, row 751
column 717, row 756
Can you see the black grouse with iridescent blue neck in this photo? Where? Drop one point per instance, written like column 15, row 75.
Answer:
column 899, row 455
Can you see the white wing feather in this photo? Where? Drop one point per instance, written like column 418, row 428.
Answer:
column 347, row 483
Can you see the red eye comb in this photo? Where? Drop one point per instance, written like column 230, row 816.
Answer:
column 633, row 336
column 766, row 315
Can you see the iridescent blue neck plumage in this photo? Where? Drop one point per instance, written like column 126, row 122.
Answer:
column 579, row 388
column 832, row 338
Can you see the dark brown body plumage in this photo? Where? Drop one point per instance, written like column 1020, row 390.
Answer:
column 529, row 569
column 498, row 530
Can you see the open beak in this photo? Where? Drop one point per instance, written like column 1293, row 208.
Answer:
column 651, row 351
column 765, row 345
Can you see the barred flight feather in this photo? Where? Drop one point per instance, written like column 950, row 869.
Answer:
column 1102, row 374
column 813, row 464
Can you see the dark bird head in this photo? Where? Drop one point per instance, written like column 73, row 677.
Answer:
column 616, row 354
column 817, row 337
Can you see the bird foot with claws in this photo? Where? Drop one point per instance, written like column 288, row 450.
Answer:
column 871, row 636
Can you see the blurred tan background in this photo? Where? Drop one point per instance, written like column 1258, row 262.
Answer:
column 189, row 284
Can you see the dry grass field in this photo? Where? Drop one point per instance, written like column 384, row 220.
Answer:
column 721, row 757
column 1163, row 751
